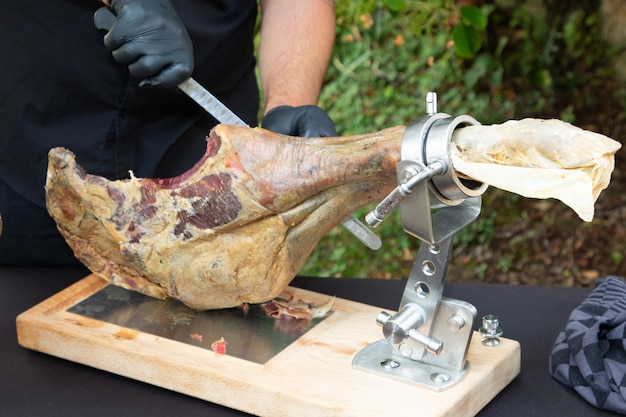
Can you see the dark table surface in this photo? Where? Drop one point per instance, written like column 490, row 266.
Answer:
column 36, row 384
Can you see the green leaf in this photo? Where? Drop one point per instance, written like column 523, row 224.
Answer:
column 466, row 40
column 395, row 5
column 479, row 69
column 473, row 16
column 542, row 79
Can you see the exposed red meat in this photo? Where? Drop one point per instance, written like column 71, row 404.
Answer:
column 219, row 346
column 234, row 229
column 295, row 308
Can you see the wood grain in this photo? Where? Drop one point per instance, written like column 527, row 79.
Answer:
column 311, row 377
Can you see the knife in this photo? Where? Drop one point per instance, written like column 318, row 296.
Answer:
column 210, row 103
column 104, row 18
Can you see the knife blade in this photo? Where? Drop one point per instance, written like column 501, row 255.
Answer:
column 361, row 232
column 104, row 18
column 210, row 103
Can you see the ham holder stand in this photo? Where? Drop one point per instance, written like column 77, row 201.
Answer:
column 427, row 340
column 431, row 359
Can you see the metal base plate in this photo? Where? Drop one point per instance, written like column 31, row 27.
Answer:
column 379, row 359
column 250, row 335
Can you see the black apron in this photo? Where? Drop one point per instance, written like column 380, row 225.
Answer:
column 59, row 86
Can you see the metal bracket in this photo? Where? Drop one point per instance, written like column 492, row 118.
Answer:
column 426, row 341
column 425, row 142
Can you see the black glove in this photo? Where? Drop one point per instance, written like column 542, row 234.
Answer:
column 305, row 121
column 149, row 37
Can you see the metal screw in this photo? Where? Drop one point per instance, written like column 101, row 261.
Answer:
column 431, row 103
column 455, row 323
column 389, row 364
column 491, row 330
column 439, row 377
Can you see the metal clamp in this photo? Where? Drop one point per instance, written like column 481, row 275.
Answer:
column 427, row 180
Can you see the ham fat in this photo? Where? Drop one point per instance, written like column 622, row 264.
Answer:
column 234, row 229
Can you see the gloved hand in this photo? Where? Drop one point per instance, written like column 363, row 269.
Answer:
column 305, row 121
column 149, row 37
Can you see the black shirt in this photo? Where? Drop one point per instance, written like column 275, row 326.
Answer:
column 59, row 86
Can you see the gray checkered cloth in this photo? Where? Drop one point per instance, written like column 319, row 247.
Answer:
column 590, row 353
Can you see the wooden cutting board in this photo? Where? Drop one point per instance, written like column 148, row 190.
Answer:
column 311, row 377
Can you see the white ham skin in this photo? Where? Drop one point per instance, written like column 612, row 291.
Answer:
column 538, row 159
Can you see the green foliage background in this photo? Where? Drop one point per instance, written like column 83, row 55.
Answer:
column 494, row 60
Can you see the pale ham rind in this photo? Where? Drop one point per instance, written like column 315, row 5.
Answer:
column 538, row 159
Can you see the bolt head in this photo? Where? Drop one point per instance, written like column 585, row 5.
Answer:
column 455, row 323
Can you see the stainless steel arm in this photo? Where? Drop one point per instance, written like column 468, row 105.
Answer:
column 385, row 207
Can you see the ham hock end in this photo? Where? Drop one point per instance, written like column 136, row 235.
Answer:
column 236, row 228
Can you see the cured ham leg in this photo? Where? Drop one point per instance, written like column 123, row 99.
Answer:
column 239, row 225
column 234, row 229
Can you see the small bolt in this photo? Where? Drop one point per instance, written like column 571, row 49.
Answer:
column 439, row 377
column 491, row 330
column 455, row 323
column 382, row 318
column 389, row 364
column 405, row 350
column 431, row 103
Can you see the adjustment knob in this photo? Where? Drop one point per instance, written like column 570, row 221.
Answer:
column 434, row 346
column 491, row 330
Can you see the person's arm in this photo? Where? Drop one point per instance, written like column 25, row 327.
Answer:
column 296, row 43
